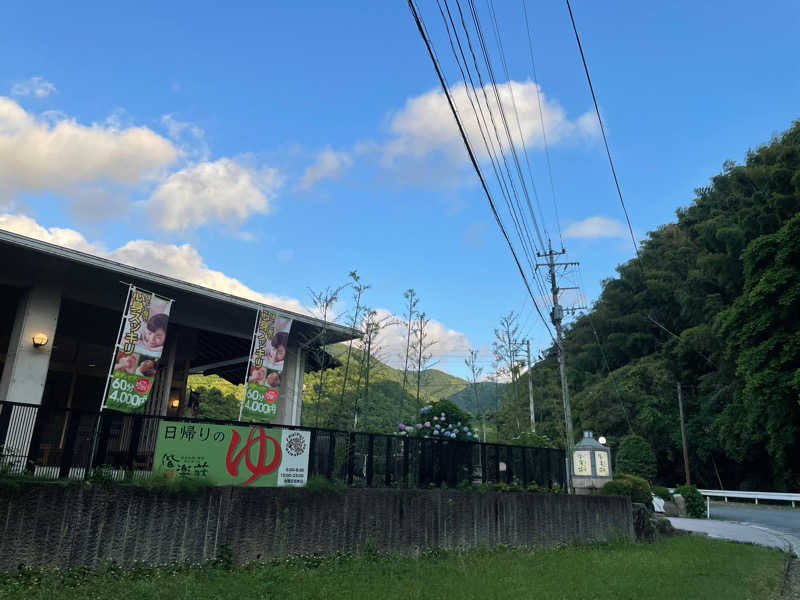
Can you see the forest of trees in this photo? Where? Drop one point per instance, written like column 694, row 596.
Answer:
column 712, row 304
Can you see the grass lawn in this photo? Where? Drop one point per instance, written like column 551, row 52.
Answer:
column 683, row 567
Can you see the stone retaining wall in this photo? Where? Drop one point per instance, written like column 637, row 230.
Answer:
column 49, row 525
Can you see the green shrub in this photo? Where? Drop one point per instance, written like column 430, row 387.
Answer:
column 629, row 485
column 102, row 474
column 662, row 493
column 695, row 505
column 178, row 485
column 319, row 484
column 636, row 456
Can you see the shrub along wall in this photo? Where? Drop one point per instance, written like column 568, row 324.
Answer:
column 80, row 525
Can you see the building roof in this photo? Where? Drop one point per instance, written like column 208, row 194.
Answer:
column 162, row 283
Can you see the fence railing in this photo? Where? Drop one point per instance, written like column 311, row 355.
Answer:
column 776, row 496
column 61, row 441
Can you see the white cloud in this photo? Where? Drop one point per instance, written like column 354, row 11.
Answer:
column 392, row 341
column 425, row 125
column 182, row 262
column 54, row 153
column 595, row 227
column 223, row 191
column 38, row 87
column 328, row 164
column 68, row 238
column 190, row 137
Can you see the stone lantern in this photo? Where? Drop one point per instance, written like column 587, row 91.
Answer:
column 591, row 464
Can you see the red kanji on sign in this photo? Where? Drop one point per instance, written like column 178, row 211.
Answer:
column 257, row 469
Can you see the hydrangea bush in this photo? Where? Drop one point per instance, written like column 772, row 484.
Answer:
column 441, row 419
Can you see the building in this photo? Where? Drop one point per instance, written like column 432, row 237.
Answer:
column 75, row 301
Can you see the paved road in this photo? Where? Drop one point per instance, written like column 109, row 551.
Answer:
column 740, row 532
column 787, row 521
column 763, row 526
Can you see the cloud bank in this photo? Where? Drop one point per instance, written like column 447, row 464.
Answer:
column 425, row 125
column 328, row 164
column 222, row 191
column 38, row 87
column 179, row 261
column 52, row 153
column 594, row 228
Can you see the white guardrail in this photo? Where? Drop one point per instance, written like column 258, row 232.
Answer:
column 779, row 496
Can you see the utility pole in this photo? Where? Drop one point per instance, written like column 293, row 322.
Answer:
column 683, row 435
column 530, row 389
column 556, row 316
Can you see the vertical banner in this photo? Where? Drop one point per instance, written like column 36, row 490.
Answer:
column 251, row 456
column 265, row 368
column 143, row 332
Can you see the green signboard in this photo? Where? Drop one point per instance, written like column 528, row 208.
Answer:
column 231, row 454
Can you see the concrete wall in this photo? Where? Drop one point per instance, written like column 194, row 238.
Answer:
column 61, row 526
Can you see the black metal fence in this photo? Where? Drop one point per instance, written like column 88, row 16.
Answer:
column 61, row 441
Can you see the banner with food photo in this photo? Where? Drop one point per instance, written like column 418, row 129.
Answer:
column 252, row 456
column 143, row 331
column 265, row 368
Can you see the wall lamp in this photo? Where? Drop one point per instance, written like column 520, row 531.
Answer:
column 39, row 340
column 175, row 403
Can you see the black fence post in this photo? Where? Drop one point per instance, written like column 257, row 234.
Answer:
column 484, row 464
column 40, row 414
column 388, row 467
column 406, row 441
column 351, row 457
column 312, row 453
column 5, row 419
column 524, row 467
column 370, row 458
column 133, row 445
column 73, row 424
column 331, row 453
column 102, row 443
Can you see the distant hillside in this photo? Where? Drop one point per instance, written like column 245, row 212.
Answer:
column 215, row 382
column 386, row 404
column 489, row 396
column 434, row 384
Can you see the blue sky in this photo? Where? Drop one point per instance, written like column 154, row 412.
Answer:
column 269, row 149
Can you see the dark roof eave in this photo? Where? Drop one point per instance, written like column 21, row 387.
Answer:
column 335, row 332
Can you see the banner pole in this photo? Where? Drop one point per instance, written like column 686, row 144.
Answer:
column 247, row 366
column 108, row 378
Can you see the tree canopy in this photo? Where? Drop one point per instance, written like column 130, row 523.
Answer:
column 712, row 303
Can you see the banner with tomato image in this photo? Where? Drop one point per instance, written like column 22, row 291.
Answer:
column 143, row 332
column 253, row 456
column 265, row 368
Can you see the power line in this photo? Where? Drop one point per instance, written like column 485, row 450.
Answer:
column 506, row 179
column 602, row 128
column 541, row 120
column 471, row 154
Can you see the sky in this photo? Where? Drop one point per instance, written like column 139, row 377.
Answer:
column 267, row 150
